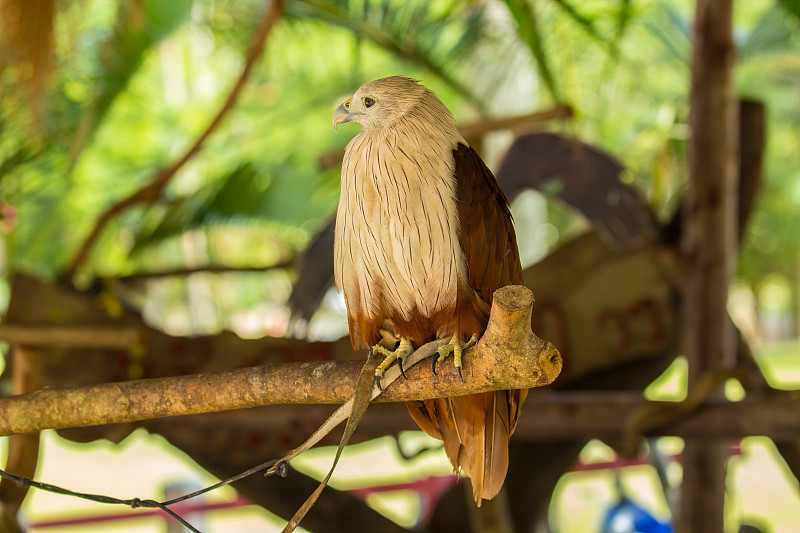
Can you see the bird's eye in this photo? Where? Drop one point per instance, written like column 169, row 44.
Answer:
column 369, row 102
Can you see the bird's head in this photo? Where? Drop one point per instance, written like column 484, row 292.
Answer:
column 379, row 103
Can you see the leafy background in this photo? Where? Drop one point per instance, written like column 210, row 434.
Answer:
column 134, row 83
column 131, row 85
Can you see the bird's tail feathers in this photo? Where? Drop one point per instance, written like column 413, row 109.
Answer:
column 475, row 430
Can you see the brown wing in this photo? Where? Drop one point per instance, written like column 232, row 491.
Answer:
column 487, row 230
column 476, row 428
column 585, row 177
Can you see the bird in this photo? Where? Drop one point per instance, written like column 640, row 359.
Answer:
column 423, row 238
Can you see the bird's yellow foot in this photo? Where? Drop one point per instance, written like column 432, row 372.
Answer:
column 456, row 348
column 399, row 354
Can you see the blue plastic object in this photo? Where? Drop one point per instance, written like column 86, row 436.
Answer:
column 627, row 517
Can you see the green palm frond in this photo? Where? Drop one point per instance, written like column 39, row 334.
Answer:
column 769, row 35
column 280, row 196
column 673, row 32
column 238, row 195
column 437, row 36
column 583, row 21
column 624, row 16
column 792, row 6
column 139, row 27
column 529, row 32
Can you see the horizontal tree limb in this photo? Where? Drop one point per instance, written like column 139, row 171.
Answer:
column 474, row 129
column 609, row 416
column 122, row 337
column 207, row 269
column 508, row 356
column 550, row 416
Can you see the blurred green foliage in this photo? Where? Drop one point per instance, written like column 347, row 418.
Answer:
column 135, row 83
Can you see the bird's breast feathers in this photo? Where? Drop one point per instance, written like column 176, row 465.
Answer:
column 397, row 230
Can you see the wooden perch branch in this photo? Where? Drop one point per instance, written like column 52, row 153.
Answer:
column 23, row 450
column 160, row 179
column 508, row 356
column 608, row 415
column 121, row 337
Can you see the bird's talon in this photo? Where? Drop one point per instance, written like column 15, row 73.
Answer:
column 390, row 356
column 378, row 383
column 457, row 349
column 471, row 342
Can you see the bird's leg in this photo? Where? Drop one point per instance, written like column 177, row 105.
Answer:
column 456, row 348
column 387, row 337
column 399, row 354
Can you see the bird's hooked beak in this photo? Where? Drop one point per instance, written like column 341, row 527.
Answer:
column 343, row 113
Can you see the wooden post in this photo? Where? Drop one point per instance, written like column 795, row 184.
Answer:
column 752, row 141
column 23, row 450
column 709, row 246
